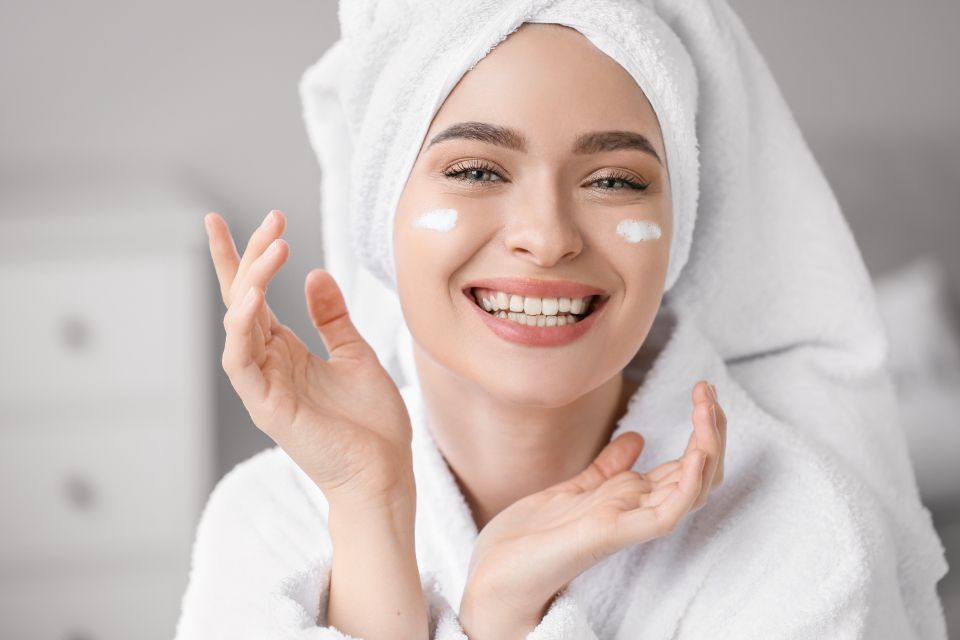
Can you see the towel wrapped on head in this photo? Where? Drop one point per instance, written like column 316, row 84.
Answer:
column 392, row 74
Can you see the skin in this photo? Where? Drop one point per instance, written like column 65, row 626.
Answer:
column 572, row 499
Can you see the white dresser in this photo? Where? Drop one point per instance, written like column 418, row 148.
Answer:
column 107, row 371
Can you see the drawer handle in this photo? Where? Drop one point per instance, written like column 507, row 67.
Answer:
column 75, row 333
column 80, row 493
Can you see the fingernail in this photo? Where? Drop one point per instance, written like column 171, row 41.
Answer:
column 248, row 299
column 713, row 412
column 713, row 390
column 273, row 247
column 267, row 220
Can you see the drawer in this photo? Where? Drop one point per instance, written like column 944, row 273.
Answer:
column 88, row 329
column 144, row 605
column 101, row 488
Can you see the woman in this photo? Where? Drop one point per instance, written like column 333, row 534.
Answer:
column 520, row 484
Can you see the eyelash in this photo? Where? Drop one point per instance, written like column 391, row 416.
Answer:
column 456, row 172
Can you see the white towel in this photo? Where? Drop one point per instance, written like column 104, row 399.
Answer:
column 817, row 531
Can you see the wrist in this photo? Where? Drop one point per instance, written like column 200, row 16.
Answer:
column 391, row 515
column 374, row 560
column 488, row 617
column 398, row 499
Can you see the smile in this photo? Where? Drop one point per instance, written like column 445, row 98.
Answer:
column 511, row 308
column 534, row 311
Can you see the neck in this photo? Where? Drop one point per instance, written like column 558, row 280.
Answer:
column 496, row 463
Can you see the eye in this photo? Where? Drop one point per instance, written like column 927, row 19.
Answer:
column 472, row 171
column 619, row 182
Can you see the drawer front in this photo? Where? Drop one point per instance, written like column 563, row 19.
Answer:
column 98, row 489
column 86, row 329
column 101, row 605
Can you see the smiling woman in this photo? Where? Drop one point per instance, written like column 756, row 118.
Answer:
column 539, row 201
column 514, row 435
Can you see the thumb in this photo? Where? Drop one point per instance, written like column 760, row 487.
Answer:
column 618, row 456
column 328, row 312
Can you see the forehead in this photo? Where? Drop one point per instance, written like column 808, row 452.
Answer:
column 552, row 83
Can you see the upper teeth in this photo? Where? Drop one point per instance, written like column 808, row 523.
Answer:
column 496, row 300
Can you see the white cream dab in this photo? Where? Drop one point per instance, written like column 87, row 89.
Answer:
column 638, row 230
column 438, row 220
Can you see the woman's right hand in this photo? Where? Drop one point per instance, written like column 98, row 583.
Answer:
column 342, row 420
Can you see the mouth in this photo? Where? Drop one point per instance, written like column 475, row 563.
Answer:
column 535, row 311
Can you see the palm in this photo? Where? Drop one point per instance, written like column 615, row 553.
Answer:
column 532, row 549
column 341, row 420
column 348, row 397
column 568, row 528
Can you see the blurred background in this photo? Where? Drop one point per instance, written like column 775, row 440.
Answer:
column 123, row 123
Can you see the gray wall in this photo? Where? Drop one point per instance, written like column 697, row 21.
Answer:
column 203, row 95
column 875, row 88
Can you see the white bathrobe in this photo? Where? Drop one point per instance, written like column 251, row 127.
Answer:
column 790, row 545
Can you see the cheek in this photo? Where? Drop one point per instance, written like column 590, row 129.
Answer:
column 638, row 249
column 634, row 231
column 438, row 241
column 437, row 220
column 432, row 244
column 635, row 247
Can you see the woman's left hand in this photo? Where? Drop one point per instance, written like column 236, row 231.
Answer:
column 532, row 549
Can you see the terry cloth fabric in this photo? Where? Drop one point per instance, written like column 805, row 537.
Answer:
column 791, row 545
column 817, row 531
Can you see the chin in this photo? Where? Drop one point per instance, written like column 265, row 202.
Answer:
column 557, row 388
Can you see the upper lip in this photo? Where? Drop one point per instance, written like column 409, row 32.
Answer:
column 537, row 288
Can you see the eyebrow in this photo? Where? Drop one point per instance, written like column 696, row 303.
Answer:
column 590, row 142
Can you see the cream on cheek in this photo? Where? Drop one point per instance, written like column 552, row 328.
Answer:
column 437, row 220
column 634, row 231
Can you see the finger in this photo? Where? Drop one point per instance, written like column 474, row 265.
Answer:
column 223, row 251
column 672, row 476
column 722, row 425
column 665, row 469
column 705, row 424
column 722, row 428
column 679, row 502
column 264, row 268
column 700, row 394
column 269, row 230
column 242, row 351
column 261, row 272
column 707, row 436
column 328, row 312
column 656, row 497
column 617, row 456
column 646, row 523
column 705, row 391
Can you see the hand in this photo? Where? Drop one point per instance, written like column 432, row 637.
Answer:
column 532, row 549
column 342, row 420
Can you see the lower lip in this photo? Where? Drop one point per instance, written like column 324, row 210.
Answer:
column 537, row 336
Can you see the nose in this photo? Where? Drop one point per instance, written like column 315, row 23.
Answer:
column 543, row 230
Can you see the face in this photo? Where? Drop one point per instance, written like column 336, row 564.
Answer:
column 524, row 206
